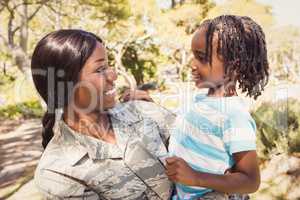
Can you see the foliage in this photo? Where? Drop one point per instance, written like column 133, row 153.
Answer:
column 284, row 54
column 24, row 21
column 278, row 128
column 110, row 11
column 30, row 109
column 139, row 59
column 6, row 78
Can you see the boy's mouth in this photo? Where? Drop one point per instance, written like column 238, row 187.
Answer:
column 196, row 77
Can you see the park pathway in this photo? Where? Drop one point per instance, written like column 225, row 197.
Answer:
column 20, row 150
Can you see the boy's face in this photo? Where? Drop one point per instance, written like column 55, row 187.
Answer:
column 204, row 74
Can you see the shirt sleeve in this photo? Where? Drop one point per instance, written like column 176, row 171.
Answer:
column 239, row 134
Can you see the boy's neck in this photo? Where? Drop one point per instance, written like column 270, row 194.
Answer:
column 220, row 92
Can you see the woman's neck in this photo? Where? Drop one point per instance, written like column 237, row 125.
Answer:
column 95, row 124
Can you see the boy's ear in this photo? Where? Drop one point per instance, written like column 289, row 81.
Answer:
column 230, row 84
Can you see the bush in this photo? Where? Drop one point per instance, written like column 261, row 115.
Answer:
column 30, row 109
column 278, row 127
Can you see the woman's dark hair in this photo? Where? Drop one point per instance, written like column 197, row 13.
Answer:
column 241, row 44
column 56, row 62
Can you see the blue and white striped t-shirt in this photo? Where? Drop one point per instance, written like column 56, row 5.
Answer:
column 208, row 134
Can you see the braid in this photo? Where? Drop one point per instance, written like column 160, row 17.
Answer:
column 257, row 72
column 48, row 122
column 241, row 43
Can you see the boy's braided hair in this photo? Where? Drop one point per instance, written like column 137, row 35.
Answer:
column 242, row 48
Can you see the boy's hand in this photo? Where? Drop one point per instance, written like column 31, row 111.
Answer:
column 180, row 172
column 135, row 95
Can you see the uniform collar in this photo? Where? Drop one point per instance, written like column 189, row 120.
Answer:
column 83, row 144
column 123, row 114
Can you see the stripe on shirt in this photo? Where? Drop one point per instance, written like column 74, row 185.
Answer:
column 215, row 116
column 203, row 124
column 188, row 192
column 239, row 146
column 200, row 136
column 198, row 159
column 193, row 144
column 238, row 134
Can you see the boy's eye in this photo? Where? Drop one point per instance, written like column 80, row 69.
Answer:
column 200, row 56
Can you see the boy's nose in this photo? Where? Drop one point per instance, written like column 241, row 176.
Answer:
column 193, row 64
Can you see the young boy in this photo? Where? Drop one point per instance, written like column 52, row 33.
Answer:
column 218, row 133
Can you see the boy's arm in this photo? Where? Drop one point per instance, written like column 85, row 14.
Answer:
column 244, row 179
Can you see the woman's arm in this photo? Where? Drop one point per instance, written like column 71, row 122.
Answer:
column 244, row 179
column 56, row 185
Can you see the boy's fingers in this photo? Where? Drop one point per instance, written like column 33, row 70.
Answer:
column 171, row 167
column 170, row 172
column 173, row 178
column 171, row 160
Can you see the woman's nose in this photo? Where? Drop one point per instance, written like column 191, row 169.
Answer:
column 111, row 74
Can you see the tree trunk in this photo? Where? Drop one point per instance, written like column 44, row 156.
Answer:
column 173, row 3
column 20, row 52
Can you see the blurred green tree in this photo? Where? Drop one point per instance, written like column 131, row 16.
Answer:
column 139, row 59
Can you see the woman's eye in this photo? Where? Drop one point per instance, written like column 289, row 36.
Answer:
column 101, row 69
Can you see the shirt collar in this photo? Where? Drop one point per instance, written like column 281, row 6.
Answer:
column 123, row 113
column 221, row 103
column 84, row 144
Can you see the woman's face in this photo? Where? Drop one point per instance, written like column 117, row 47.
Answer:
column 204, row 74
column 95, row 90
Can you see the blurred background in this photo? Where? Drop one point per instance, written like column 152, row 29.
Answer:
column 149, row 44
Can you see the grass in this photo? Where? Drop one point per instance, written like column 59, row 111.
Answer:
column 29, row 109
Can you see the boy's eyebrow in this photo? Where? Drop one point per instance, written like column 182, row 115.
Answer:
column 199, row 52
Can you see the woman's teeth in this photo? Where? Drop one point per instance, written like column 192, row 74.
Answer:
column 110, row 92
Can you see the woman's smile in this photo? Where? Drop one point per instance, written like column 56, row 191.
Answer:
column 111, row 92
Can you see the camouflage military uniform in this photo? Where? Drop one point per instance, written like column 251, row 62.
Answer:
column 76, row 166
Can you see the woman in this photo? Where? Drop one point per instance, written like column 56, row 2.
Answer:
column 95, row 149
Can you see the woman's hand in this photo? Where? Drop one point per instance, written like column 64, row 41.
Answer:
column 180, row 172
column 135, row 95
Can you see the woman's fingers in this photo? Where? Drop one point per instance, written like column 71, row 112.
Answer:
column 135, row 95
column 125, row 95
